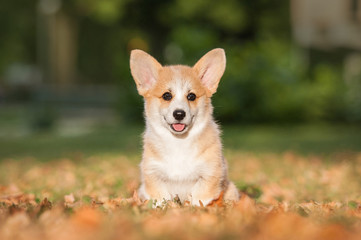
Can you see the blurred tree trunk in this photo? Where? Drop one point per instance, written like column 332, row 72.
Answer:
column 65, row 47
column 57, row 47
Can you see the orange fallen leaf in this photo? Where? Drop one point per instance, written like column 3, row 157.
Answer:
column 87, row 217
column 217, row 202
column 136, row 198
column 246, row 206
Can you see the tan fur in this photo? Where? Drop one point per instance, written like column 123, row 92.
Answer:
column 189, row 165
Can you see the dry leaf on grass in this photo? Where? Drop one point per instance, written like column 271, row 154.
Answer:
column 69, row 198
column 217, row 202
column 279, row 211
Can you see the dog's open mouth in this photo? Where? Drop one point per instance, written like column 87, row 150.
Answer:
column 178, row 127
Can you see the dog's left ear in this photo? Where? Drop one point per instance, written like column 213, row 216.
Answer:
column 210, row 69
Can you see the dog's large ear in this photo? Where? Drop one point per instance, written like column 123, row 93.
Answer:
column 210, row 69
column 144, row 69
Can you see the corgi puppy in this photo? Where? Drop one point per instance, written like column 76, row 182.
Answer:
column 182, row 154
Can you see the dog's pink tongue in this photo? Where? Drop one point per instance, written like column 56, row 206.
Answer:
column 178, row 127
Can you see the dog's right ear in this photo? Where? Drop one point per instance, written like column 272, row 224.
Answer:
column 144, row 69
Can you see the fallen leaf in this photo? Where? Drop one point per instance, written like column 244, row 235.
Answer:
column 217, row 202
column 136, row 198
column 69, row 198
column 87, row 217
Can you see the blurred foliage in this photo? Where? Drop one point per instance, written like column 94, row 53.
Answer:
column 268, row 78
column 353, row 99
column 17, row 33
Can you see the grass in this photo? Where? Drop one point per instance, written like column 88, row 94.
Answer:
column 18, row 139
column 117, row 139
column 285, row 196
column 47, row 145
column 304, row 139
column 298, row 182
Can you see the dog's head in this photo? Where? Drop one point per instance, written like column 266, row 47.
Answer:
column 177, row 97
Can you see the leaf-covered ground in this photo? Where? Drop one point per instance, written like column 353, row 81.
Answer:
column 284, row 196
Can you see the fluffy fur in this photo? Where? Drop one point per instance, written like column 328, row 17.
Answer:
column 186, row 163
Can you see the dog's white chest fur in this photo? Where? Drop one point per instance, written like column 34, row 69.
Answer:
column 178, row 161
column 178, row 165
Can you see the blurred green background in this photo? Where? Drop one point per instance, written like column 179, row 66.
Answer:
column 64, row 69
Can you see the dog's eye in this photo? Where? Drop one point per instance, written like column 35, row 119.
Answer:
column 167, row 96
column 191, row 97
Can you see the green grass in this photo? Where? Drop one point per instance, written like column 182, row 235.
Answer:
column 126, row 139
column 103, row 140
column 18, row 139
column 306, row 139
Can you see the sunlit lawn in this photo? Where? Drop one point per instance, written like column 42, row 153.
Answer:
column 321, row 139
column 299, row 182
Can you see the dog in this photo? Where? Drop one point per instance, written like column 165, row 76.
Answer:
column 182, row 149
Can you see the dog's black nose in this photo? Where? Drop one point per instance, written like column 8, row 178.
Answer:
column 179, row 114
